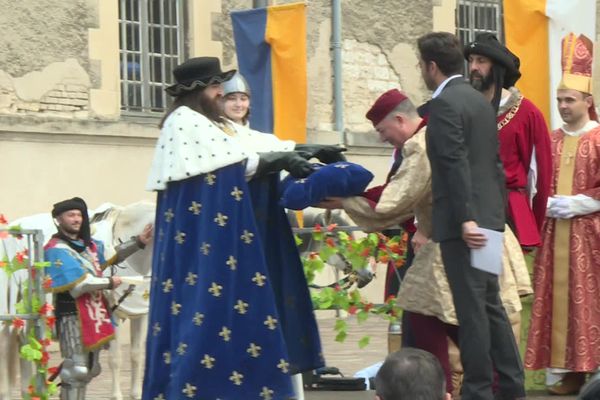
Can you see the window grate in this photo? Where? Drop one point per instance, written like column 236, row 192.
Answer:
column 151, row 45
column 476, row 16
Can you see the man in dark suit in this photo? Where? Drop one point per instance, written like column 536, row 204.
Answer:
column 468, row 193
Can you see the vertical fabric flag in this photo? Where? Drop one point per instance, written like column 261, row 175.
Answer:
column 271, row 51
column 534, row 30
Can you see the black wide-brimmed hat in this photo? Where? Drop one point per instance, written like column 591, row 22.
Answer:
column 76, row 203
column 486, row 44
column 197, row 72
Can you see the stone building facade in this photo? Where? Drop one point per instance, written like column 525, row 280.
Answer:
column 63, row 131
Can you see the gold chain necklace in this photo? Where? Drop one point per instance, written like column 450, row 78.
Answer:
column 511, row 113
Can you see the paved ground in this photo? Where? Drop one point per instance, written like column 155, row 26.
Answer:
column 346, row 356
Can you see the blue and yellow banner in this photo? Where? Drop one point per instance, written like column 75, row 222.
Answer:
column 271, row 51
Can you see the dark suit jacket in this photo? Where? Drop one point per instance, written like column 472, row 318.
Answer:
column 466, row 171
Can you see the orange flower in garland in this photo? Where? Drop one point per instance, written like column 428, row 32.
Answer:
column 3, row 220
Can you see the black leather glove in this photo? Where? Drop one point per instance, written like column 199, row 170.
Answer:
column 325, row 153
column 275, row 161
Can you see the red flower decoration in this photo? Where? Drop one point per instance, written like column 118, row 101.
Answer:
column 50, row 321
column 47, row 283
column 52, row 370
column 46, row 309
column 352, row 310
column 18, row 323
column 3, row 219
column 368, row 306
column 337, row 288
column 331, row 227
column 45, row 358
column 318, row 228
column 365, row 253
column 21, row 256
column 46, row 342
column 330, row 242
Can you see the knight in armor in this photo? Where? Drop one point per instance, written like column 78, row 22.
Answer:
column 83, row 318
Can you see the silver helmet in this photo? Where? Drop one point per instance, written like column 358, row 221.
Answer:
column 237, row 84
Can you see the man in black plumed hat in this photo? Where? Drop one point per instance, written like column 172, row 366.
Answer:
column 223, row 239
column 82, row 313
column 523, row 135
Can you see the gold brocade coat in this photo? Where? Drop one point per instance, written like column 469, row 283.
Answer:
column 425, row 288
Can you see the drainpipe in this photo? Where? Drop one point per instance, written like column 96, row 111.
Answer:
column 336, row 44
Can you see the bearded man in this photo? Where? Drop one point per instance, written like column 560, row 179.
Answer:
column 522, row 133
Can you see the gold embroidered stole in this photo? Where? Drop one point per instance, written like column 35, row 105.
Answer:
column 562, row 233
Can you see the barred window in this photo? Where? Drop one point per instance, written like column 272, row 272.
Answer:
column 475, row 16
column 151, row 45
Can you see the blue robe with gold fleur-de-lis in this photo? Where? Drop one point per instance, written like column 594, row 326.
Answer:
column 214, row 330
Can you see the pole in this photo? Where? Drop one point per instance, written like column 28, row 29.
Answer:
column 336, row 44
column 260, row 3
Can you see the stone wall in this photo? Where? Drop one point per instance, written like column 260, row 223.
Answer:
column 44, row 62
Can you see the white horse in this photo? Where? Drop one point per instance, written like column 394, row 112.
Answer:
column 112, row 225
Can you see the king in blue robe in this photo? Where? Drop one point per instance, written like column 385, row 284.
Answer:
column 219, row 314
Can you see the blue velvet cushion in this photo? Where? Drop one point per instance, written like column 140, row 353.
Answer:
column 340, row 179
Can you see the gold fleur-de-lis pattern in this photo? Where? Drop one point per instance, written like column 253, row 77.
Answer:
column 236, row 378
column 195, row 208
column 210, row 179
column 175, row 308
column 231, row 263
column 215, row 289
column 211, row 283
column 266, row 393
column 191, row 278
column 241, row 307
column 283, row 366
column 167, row 285
column 181, row 348
column 270, row 322
column 180, row 237
column 189, row 390
column 225, row 334
column 247, row 236
column 237, row 193
column 221, row 219
column 254, row 350
column 198, row 319
column 205, row 248
column 259, row 279
column 208, row 361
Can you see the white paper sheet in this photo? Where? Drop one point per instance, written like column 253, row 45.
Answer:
column 489, row 257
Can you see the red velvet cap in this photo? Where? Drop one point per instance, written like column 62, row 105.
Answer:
column 384, row 105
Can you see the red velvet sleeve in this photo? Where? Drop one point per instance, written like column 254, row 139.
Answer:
column 543, row 156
